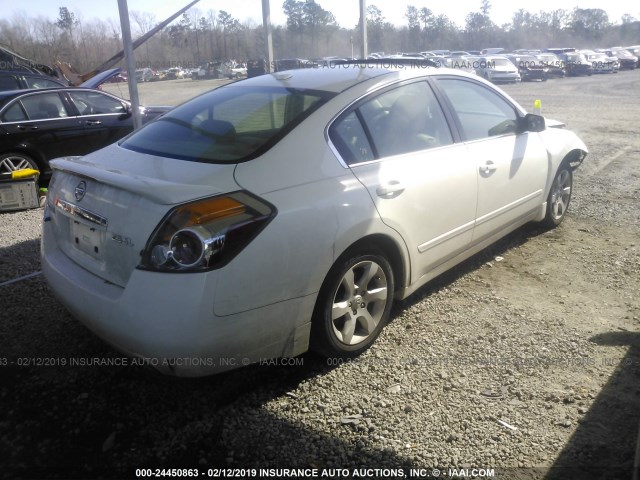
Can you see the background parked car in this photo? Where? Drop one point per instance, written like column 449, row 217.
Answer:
column 625, row 58
column 498, row 69
column 575, row 64
column 256, row 66
column 529, row 67
column 601, row 62
column 635, row 51
column 554, row 66
column 119, row 78
column 38, row 125
column 144, row 75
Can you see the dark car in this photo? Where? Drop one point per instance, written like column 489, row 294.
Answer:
column 14, row 80
column 529, row 67
column 626, row 59
column 554, row 66
column 575, row 64
column 38, row 125
column 292, row 64
column 256, row 66
column 635, row 51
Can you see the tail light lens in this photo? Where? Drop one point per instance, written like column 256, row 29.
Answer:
column 206, row 234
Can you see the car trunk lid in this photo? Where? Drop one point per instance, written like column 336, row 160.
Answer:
column 103, row 213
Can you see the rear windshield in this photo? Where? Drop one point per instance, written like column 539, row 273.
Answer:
column 227, row 125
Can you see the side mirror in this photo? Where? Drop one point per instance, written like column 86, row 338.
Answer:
column 127, row 109
column 532, row 123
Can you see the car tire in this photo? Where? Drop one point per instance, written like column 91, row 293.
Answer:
column 353, row 305
column 559, row 196
column 12, row 161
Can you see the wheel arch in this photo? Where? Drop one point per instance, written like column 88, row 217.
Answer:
column 376, row 244
column 574, row 158
column 392, row 251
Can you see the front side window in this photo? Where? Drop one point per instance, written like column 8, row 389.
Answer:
column 95, row 103
column 228, row 124
column 482, row 113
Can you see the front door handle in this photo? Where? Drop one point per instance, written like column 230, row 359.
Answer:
column 93, row 122
column 390, row 190
column 27, row 127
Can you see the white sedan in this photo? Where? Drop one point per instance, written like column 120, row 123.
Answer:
column 287, row 211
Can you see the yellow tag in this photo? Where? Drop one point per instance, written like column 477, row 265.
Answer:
column 25, row 173
column 537, row 104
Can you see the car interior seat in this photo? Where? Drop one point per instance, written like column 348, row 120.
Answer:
column 221, row 131
column 47, row 110
column 408, row 128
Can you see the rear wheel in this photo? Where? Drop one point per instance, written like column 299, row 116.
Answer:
column 353, row 305
column 10, row 162
column 559, row 197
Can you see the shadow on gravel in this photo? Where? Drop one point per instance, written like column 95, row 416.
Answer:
column 93, row 421
column 19, row 259
column 604, row 444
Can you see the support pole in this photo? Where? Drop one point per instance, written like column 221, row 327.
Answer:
column 266, row 21
column 129, row 60
column 363, row 24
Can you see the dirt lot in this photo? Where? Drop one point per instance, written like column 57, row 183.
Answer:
column 524, row 359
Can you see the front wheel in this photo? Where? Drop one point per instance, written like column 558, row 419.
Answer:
column 353, row 305
column 559, row 197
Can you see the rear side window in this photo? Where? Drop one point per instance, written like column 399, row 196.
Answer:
column 37, row 82
column 44, row 106
column 404, row 119
column 227, row 125
column 14, row 113
column 8, row 82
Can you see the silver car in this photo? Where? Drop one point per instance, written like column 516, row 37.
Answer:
column 498, row 69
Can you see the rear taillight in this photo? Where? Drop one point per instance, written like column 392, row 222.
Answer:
column 206, row 234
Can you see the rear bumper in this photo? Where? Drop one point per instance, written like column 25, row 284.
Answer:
column 504, row 77
column 168, row 319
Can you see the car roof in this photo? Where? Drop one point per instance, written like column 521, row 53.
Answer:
column 336, row 78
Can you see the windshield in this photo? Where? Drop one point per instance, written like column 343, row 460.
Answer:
column 499, row 62
column 575, row 57
column 227, row 125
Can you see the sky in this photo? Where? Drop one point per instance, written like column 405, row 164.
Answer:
column 345, row 11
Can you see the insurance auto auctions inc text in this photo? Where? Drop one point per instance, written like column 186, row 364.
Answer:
column 373, row 473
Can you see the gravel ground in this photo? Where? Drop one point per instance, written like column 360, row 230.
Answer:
column 524, row 359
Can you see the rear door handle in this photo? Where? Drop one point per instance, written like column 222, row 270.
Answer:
column 27, row 127
column 390, row 190
column 93, row 122
column 488, row 167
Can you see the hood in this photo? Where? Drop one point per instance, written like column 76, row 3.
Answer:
column 551, row 123
column 100, row 78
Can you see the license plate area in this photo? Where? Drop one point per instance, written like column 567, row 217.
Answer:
column 88, row 239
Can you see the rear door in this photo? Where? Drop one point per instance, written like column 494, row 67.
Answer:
column 399, row 145
column 41, row 121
